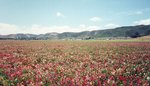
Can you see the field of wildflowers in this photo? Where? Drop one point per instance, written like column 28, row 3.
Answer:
column 74, row 63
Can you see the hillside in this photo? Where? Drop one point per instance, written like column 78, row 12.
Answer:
column 144, row 38
column 120, row 32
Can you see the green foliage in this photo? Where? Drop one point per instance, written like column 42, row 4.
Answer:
column 4, row 79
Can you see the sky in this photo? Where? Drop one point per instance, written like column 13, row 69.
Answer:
column 44, row 16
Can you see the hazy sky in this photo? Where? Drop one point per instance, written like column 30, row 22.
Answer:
column 42, row 16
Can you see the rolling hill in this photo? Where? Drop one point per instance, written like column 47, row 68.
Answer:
column 120, row 32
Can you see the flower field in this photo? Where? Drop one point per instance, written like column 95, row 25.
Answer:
column 74, row 63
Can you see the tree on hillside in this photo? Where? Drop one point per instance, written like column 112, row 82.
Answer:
column 135, row 35
column 132, row 34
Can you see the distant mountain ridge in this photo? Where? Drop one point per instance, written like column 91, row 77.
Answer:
column 120, row 32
